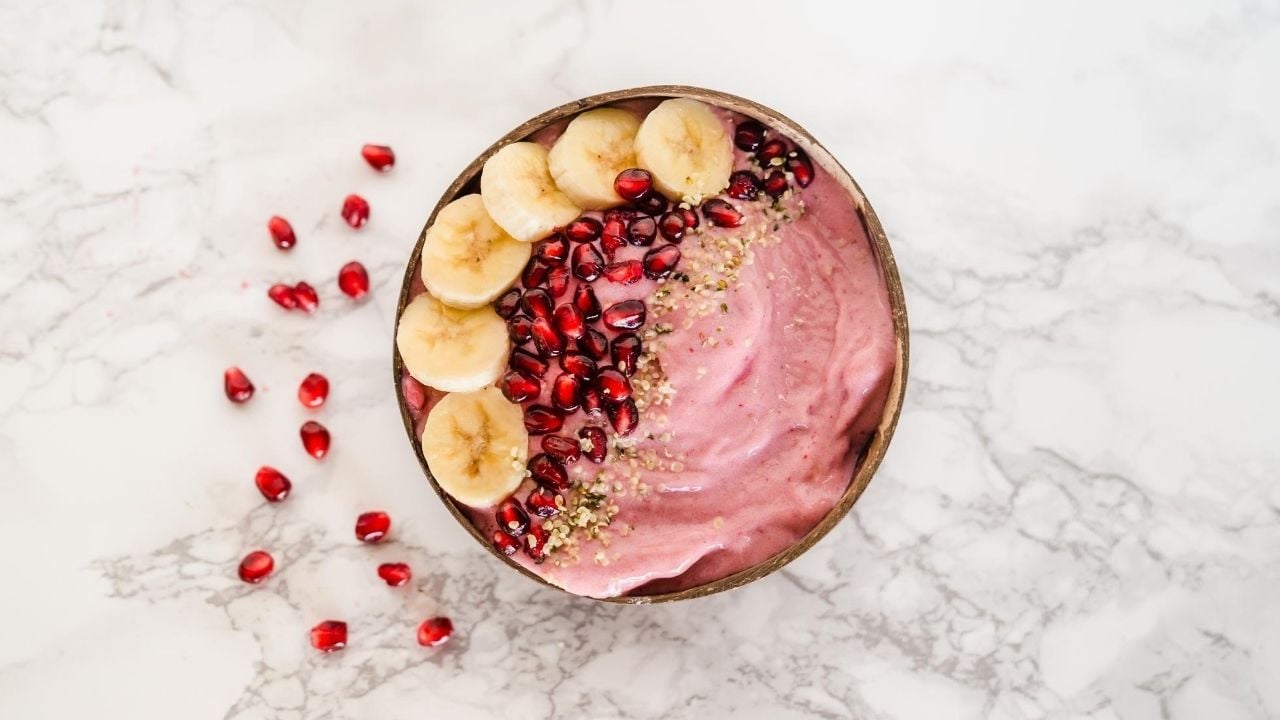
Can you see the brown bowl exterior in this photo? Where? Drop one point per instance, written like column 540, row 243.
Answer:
column 879, row 443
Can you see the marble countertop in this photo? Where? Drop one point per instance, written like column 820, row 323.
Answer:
column 1079, row 516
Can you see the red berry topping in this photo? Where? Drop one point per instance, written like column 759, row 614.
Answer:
column 770, row 150
column 775, row 183
column 505, row 544
column 329, row 636
column 306, row 296
column 626, row 353
column 584, row 229
column 528, row 363
column 507, row 303
column 537, row 303
column 721, row 213
column 379, row 157
column 612, row 244
column 587, row 263
column 373, row 526
column 596, row 447
column 511, row 518
column 660, row 261
column 519, row 329
column 801, row 167
column 633, row 184
column 672, row 226
column 395, row 574
column 569, row 321
column 749, row 135
column 355, row 210
column 743, row 185
column 558, row 281
column 518, row 387
column 542, row 503
column 625, row 315
column 623, row 416
column 353, row 280
column 594, row 344
column 690, row 218
column 625, row 272
column 313, row 390
column 546, row 339
column 566, row 392
column 283, row 296
column 236, row 385
column 642, row 230
column 563, row 449
column 552, row 251
column 435, row 631
column 578, row 365
column 654, row 205
column 540, row 420
column 315, row 439
column 272, row 483
column 613, row 385
column 535, row 544
column 592, row 401
column 534, row 273
column 281, row 232
column 585, row 300
column 256, row 566
column 549, row 473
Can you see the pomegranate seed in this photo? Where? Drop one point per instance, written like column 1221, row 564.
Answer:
column 566, row 393
column 801, row 167
column 592, row 402
column 594, row 344
column 540, row 420
column 549, row 473
column 507, row 303
column 415, row 395
column 537, row 303
column 660, row 261
column 552, row 251
column 283, row 296
column 563, row 449
column 528, row 363
column 272, row 483
column 535, row 544
column 313, row 390
column 771, row 150
column 624, row 416
column 690, row 218
column 534, row 273
column 613, row 385
column 355, row 210
column 379, row 157
column 546, row 339
column 373, row 526
column 505, row 544
column 597, row 445
column 587, row 262
column 569, row 321
column 626, row 353
column 578, row 365
column 395, row 574
column 329, row 636
column 511, row 518
column 435, row 631
column 281, row 232
column 614, row 235
column 642, row 231
column 236, row 385
column 256, row 566
column 743, row 185
column 633, row 184
column 558, row 281
column 625, row 272
column 653, row 205
column 315, row 439
column 625, row 315
column 518, row 387
column 611, row 245
column 306, row 296
column 519, row 329
column 721, row 213
column 585, row 298
column 584, row 229
column 542, row 502
column 672, row 226
column 776, row 183
column 353, row 280
column 749, row 135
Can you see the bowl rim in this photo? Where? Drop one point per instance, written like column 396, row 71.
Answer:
column 876, row 447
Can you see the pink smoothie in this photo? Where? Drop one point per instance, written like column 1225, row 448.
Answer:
column 759, row 399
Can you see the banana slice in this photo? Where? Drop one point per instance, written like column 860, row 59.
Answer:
column 467, row 260
column 686, row 148
column 450, row 349
column 587, row 157
column 476, row 446
column 520, row 195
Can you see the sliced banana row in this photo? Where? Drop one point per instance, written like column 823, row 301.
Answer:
column 520, row 195
column 476, row 446
column 587, row 157
column 451, row 349
column 686, row 148
column 467, row 259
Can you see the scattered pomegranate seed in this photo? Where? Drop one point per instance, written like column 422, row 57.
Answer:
column 537, row 303
column 594, row 344
column 552, row 251
column 546, row 339
column 749, row 135
column 672, row 226
column 597, row 446
column 272, row 483
column 569, row 321
column 329, row 636
column 578, row 365
column 435, row 631
column 535, row 544
column 281, row 232
column 775, row 183
column 584, row 229
column 653, row 205
column 315, row 439
column 542, row 503
column 313, row 390
column 527, row 363
column 626, row 353
column 660, row 261
column 690, row 218
column 801, row 167
column 306, row 296
column 540, row 420
column 587, row 262
column 519, row 329
column 585, row 298
column 395, row 574
column 743, row 185
column 283, row 296
column 355, row 210
column 511, row 518
column 611, row 245
column 373, row 526
column 770, row 151
column 236, row 385
column 505, row 544
column 633, row 184
column 625, row 272
column 379, row 157
column 613, row 385
column 518, row 387
column 642, row 231
column 256, row 566
column 592, row 402
column 353, row 280
column 721, row 213
column 566, row 392
column 558, row 281
column 625, row 315
column 615, row 221
column 624, row 416
column 535, row 273
column 563, row 449
column 507, row 303
column 549, row 473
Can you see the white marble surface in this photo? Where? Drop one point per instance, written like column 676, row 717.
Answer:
column 1079, row 517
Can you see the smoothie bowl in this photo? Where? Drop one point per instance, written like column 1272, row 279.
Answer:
column 651, row 345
